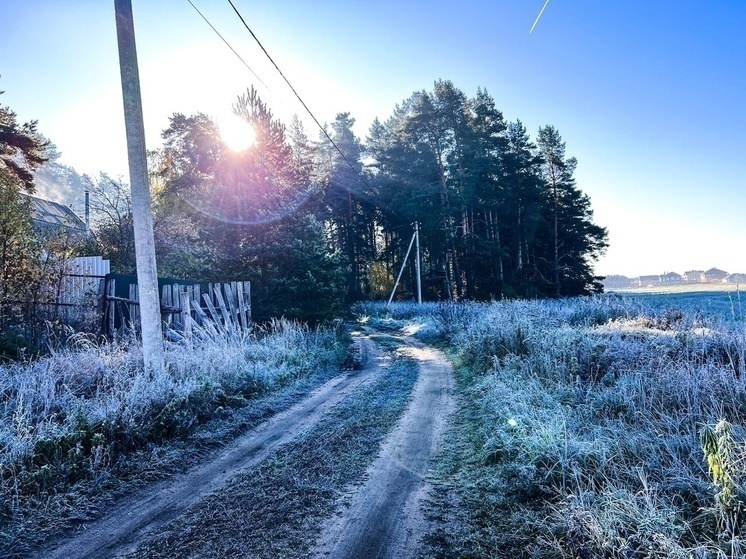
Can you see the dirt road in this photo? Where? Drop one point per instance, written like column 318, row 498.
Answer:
column 384, row 518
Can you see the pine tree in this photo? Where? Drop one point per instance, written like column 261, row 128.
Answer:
column 21, row 148
column 485, row 200
column 575, row 240
column 346, row 205
column 252, row 213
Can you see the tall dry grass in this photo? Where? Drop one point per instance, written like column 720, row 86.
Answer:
column 582, row 422
column 71, row 417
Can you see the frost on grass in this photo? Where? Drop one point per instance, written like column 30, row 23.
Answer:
column 70, row 417
column 579, row 430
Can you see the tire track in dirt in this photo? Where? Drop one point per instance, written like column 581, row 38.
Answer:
column 385, row 517
column 135, row 518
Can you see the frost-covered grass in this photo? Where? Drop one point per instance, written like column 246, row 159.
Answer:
column 578, row 433
column 74, row 417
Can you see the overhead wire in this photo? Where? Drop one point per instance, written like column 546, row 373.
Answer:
column 323, row 130
column 297, row 95
column 228, row 44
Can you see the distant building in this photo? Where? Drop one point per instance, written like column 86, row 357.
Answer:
column 713, row 275
column 671, row 278
column 694, row 276
column 648, row 281
column 735, row 278
column 617, row 282
column 51, row 217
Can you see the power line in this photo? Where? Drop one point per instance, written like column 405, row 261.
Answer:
column 333, row 143
column 323, row 130
column 228, row 44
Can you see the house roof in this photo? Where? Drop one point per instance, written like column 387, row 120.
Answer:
column 716, row 271
column 671, row 275
column 52, row 215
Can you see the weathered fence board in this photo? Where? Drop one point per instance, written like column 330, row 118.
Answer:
column 76, row 297
column 87, row 297
column 221, row 308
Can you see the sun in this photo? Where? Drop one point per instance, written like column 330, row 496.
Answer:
column 236, row 133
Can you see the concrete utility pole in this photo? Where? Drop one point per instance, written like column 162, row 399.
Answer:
column 147, row 277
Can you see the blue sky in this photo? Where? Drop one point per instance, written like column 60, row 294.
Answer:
column 648, row 95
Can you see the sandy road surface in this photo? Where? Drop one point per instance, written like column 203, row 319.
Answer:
column 385, row 518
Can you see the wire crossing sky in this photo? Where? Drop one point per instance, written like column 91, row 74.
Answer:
column 647, row 95
column 227, row 43
column 303, row 104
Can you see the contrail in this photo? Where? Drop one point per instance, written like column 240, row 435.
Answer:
column 539, row 16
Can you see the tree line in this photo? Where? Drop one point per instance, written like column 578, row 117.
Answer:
column 315, row 226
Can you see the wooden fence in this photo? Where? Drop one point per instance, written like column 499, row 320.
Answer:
column 76, row 297
column 218, row 306
column 70, row 294
column 82, row 294
column 85, row 297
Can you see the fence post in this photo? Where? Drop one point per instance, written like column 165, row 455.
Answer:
column 186, row 315
column 101, row 306
column 230, row 297
column 111, row 306
column 241, row 306
column 247, row 293
column 223, row 307
column 133, row 306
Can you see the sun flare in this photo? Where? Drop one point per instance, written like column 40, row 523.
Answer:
column 236, row 133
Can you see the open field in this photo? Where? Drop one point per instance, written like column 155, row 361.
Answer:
column 682, row 288
column 605, row 427
column 579, row 425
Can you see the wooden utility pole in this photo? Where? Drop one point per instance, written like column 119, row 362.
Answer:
column 419, row 274
column 147, row 277
column 415, row 237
